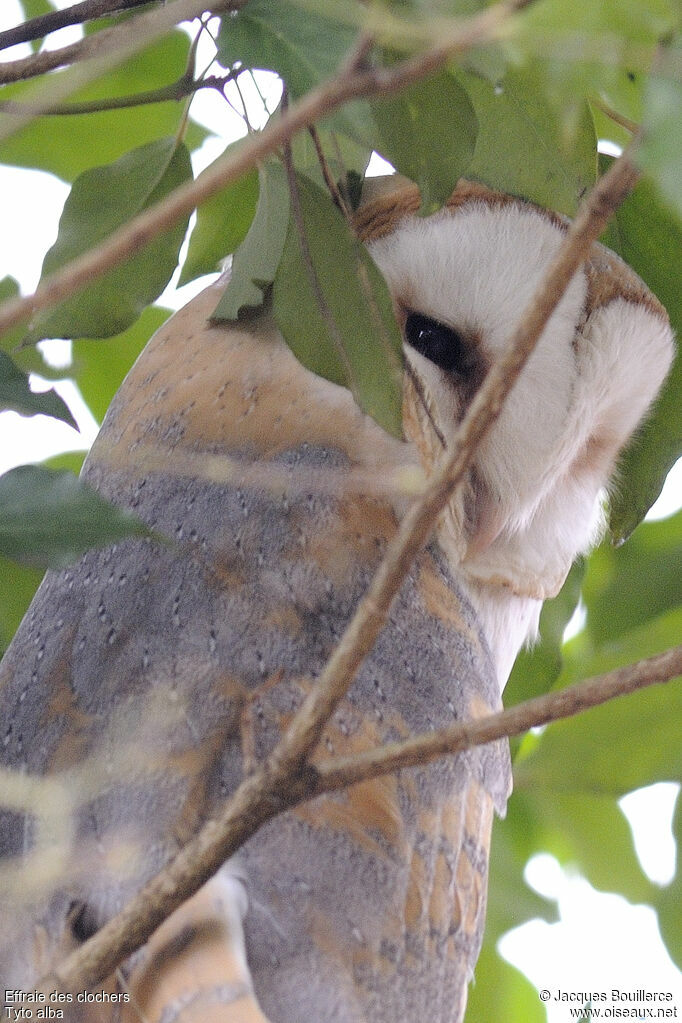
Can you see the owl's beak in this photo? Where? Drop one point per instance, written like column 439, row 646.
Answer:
column 486, row 518
column 489, row 526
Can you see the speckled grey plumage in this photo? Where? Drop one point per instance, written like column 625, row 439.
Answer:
column 139, row 619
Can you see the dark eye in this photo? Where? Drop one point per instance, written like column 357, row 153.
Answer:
column 439, row 344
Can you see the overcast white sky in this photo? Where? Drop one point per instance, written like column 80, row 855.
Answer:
column 601, row 941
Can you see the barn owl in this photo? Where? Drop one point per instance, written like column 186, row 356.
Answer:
column 145, row 680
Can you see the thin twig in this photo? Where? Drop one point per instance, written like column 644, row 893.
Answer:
column 351, row 82
column 254, row 82
column 624, row 122
column 44, row 24
column 180, row 89
column 554, row 706
column 286, row 777
column 327, row 174
column 101, row 42
column 123, row 41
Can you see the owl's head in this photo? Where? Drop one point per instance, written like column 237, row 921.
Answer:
column 461, row 281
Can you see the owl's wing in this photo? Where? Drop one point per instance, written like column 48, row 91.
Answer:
column 306, row 954
column 168, row 670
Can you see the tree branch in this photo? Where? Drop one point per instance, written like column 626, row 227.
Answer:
column 98, row 44
column 286, row 778
column 422, row 515
column 258, row 799
column 44, row 24
column 554, row 706
column 48, row 60
column 351, row 82
column 122, row 42
column 180, row 89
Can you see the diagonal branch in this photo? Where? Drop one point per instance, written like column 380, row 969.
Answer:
column 421, row 517
column 352, row 82
column 286, row 777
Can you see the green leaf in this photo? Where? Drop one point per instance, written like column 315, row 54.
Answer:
column 649, row 238
column 660, row 153
column 100, row 201
column 17, row 587
column 68, row 145
column 623, row 745
column 501, row 992
column 634, row 21
column 10, row 339
column 511, row 902
column 523, row 145
column 428, row 132
column 16, row 394
column 222, row 224
column 335, row 312
column 611, row 32
column 670, row 897
column 100, row 366
column 48, row 519
column 72, row 461
column 257, row 258
column 536, row 670
column 601, row 53
column 34, row 8
column 18, row 583
column 588, row 832
column 627, row 588
column 29, row 359
column 303, row 46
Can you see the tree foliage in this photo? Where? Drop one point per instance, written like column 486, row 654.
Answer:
column 526, row 104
